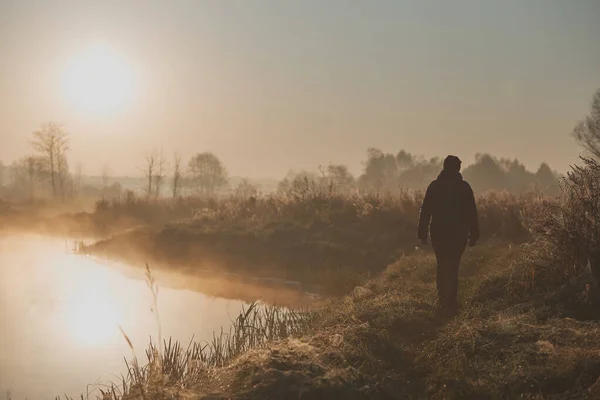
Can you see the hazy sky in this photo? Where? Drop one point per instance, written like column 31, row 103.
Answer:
column 273, row 85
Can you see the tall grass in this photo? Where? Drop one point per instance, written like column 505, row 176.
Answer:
column 327, row 239
column 501, row 213
column 571, row 228
column 172, row 366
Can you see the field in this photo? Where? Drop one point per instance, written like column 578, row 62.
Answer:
column 526, row 327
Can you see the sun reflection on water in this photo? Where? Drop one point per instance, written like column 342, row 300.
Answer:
column 91, row 313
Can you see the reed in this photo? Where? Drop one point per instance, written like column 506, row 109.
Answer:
column 171, row 365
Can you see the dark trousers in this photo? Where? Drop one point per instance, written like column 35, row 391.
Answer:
column 448, row 252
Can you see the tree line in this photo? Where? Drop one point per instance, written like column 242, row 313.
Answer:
column 391, row 173
column 205, row 174
column 394, row 172
column 46, row 170
column 403, row 170
column 46, row 174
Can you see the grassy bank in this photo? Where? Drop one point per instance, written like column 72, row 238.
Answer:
column 330, row 242
column 517, row 334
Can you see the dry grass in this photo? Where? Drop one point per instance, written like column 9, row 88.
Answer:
column 170, row 367
column 527, row 326
column 331, row 241
column 500, row 212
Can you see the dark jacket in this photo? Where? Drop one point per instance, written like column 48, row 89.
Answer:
column 449, row 204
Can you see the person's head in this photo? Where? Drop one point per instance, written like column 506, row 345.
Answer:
column 452, row 163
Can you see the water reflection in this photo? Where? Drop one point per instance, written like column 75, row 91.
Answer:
column 60, row 316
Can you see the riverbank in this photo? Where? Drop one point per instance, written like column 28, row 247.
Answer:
column 514, row 336
column 330, row 243
column 315, row 258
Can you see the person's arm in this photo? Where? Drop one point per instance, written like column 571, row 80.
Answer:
column 425, row 215
column 473, row 217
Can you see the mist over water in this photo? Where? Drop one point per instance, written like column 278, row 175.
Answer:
column 59, row 318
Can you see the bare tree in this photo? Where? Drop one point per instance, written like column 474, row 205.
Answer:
column 587, row 131
column 26, row 172
column 150, row 170
column 207, row 172
column 159, row 176
column 337, row 178
column 51, row 141
column 62, row 171
column 246, row 190
column 177, row 174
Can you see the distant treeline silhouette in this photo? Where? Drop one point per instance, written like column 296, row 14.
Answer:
column 392, row 173
column 46, row 172
column 382, row 172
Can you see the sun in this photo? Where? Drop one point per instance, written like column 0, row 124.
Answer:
column 98, row 81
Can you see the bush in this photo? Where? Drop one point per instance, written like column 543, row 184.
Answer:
column 306, row 203
column 571, row 226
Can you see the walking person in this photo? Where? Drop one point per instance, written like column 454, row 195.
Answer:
column 449, row 205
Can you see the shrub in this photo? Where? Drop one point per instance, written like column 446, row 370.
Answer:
column 571, row 226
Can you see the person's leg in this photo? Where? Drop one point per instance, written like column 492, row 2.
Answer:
column 455, row 254
column 452, row 281
column 438, row 279
column 443, row 257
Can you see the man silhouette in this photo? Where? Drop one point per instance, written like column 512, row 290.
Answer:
column 449, row 204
